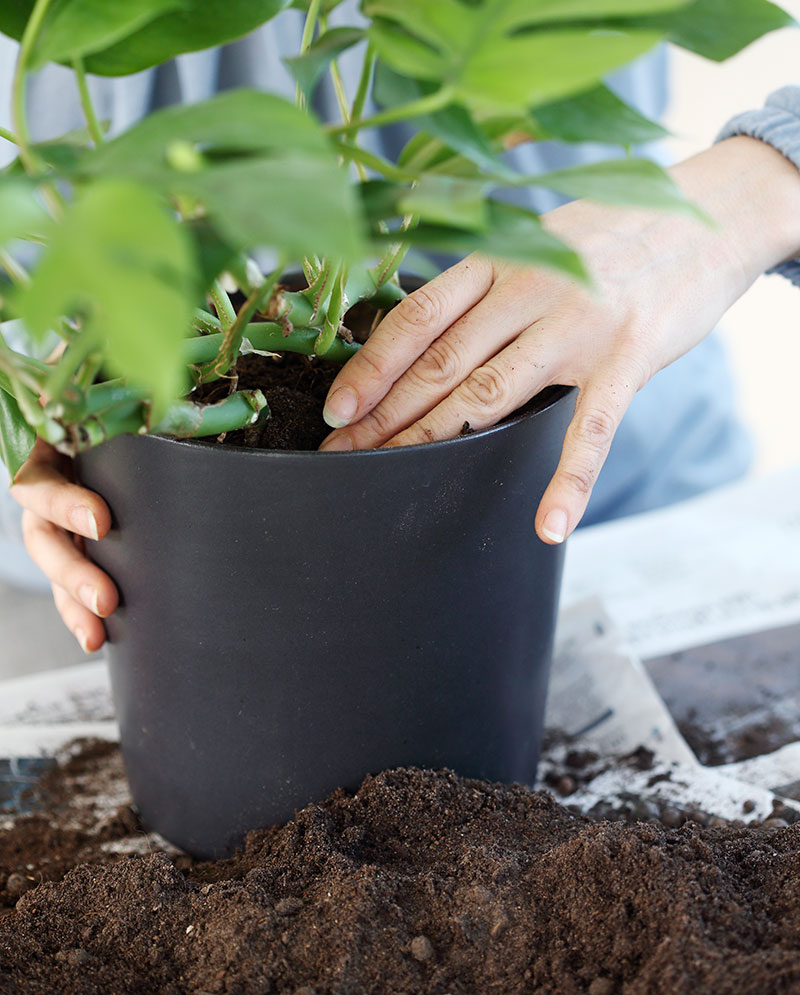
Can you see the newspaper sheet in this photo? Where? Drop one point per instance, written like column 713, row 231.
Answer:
column 602, row 699
column 719, row 565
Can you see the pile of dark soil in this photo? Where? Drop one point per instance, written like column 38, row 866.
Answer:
column 421, row 882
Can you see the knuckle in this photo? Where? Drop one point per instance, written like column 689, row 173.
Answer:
column 632, row 367
column 28, row 526
column 33, row 527
column 487, row 388
column 373, row 363
column 416, row 434
column 379, row 421
column 420, row 310
column 596, row 428
column 580, row 480
column 439, row 364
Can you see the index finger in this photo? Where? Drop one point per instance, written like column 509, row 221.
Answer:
column 40, row 487
column 403, row 335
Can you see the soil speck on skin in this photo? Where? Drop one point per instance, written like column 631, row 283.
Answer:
column 420, row 882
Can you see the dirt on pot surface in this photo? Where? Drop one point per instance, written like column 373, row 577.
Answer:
column 421, row 882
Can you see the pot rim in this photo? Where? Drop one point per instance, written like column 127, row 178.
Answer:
column 550, row 396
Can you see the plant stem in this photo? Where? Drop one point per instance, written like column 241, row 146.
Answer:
column 18, row 274
column 222, row 303
column 374, row 162
column 362, row 90
column 185, row 419
column 232, row 339
column 391, row 260
column 425, row 105
column 19, row 116
column 338, row 87
column 27, row 156
column 26, row 369
column 95, row 130
column 305, row 42
column 318, row 294
column 115, row 409
column 335, row 312
column 25, row 396
column 74, row 355
column 9, row 136
column 203, row 321
column 268, row 336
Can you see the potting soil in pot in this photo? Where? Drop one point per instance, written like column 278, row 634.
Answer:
column 295, row 388
column 420, row 882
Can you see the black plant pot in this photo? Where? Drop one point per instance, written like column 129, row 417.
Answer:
column 293, row 621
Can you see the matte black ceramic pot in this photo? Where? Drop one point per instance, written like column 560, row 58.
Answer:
column 293, row 621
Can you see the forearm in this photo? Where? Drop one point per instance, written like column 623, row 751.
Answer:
column 752, row 192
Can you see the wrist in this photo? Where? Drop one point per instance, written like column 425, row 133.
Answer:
column 752, row 192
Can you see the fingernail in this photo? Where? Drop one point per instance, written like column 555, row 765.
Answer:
column 83, row 521
column 88, row 596
column 80, row 635
column 340, row 407
column 554, row 526
column 338, row 444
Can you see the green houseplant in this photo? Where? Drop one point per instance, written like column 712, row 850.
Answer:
column 138, row 241
column 163, row 210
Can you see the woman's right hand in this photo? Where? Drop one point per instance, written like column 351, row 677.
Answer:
column 58, row 516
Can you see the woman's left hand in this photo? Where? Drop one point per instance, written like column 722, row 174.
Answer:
column 484, row 337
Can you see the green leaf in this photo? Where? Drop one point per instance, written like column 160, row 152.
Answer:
column 633, row 182
column 439, row 200
column 718, row 29
column 16, row 436
column 61, row 153
column 214, row 255
column 406, row 54
column 525, row 13
column 527, row 70
column 197, row 24
column 453, row 125
column 21, row 214
column 482, row 54
column 123, row 266
column 74, row 28
column 308, row 68
column 244, row 122
column 449, row 201
column 264, row 172
column 296, row 204
column 596, row 115
column 442, row 25
column 326, row 7
column 514, row 233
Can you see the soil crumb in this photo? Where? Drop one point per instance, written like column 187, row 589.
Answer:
column 421, row 882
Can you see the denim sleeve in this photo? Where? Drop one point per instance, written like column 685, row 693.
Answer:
column 777, row 124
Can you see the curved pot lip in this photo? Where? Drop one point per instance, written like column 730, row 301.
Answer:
column 558, row 393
